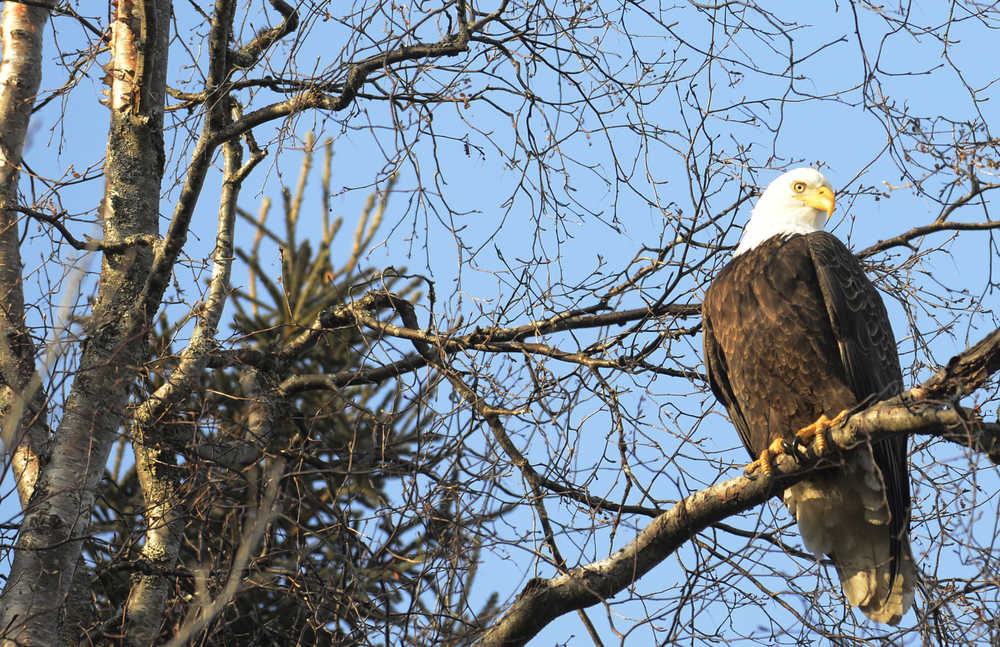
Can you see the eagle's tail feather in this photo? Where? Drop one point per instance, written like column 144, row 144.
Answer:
column 845, row 515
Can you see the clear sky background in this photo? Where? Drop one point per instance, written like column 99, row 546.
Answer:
column 505, row 231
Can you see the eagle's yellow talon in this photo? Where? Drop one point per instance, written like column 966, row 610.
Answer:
column 765, row 462
column 818, row 429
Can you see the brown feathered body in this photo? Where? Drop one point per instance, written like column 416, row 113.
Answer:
column 793, row 329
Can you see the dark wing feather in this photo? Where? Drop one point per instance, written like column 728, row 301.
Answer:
column 718, row 379
column 770, row 354
column 868, row 352
column 859, row 319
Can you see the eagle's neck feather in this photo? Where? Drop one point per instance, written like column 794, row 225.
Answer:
column 786, row 221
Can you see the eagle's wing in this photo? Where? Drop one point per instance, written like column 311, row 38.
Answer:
column 868, row 352
column 718, row 379
column 859, row 319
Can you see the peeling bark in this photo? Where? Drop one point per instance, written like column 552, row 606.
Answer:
column 21, row 403
column 58, row 518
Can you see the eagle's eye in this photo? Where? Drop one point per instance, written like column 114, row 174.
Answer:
column 799, row 187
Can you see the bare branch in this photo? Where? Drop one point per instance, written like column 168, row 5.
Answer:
column 543, row 600
column 904, row 239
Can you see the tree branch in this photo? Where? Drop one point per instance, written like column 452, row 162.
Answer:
column 903, row 240
column 57, row 522
column 156, row 465
column 914, row 412
column 357, row 75
column 89, row 244
column 248, row 55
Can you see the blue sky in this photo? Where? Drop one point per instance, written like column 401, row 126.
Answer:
column 507, row 232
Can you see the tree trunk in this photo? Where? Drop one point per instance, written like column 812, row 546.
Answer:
column 58, row 518
column 21, row 404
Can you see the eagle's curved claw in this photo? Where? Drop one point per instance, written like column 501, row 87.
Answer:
column 798, row 449
column 817, row 431
column 765, row 462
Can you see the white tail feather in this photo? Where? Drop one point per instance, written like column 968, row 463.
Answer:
column 845, row 515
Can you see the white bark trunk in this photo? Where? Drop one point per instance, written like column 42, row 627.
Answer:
column 58, row 518
column 21, row 404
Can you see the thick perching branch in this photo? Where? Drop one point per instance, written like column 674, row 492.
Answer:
column 926, row 409
column 914, row 412
column 965, row 372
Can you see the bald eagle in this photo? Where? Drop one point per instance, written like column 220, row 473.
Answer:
column 794, row 332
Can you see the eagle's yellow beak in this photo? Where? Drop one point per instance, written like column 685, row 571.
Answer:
column 821, row 198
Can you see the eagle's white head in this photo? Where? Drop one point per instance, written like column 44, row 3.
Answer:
column 797, row 202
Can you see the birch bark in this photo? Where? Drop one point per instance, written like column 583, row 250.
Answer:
column 21, row 404
column 57, row 520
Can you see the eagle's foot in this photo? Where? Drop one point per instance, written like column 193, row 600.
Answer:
column 817, row 430
column 794, row 448
column 765, row 462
